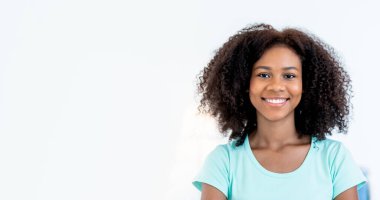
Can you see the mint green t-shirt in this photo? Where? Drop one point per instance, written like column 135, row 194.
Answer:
column 327, row 171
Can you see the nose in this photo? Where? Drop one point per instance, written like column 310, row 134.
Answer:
column 276, row 84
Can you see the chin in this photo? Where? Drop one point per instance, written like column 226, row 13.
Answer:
column 277, row 117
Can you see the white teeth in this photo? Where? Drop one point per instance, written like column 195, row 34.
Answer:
column 278, row 101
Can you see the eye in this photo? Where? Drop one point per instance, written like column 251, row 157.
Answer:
column 289, row 76
column 263, row 75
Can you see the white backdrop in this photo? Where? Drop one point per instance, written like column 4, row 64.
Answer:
column 97, row 97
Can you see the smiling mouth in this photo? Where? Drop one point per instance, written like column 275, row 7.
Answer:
column 275, row 100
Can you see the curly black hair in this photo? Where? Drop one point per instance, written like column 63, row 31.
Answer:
column 325, row 102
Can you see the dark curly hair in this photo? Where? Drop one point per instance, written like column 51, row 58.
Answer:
column 325, row 102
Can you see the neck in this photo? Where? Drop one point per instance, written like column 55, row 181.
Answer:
column 275, row 134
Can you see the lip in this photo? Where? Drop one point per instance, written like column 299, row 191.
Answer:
column 275, row 101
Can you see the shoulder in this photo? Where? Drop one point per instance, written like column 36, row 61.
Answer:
column 327, row 145
column 330, row 150
column 226, row 150
column 343, row 170
column 226, row 154
column 335, row 153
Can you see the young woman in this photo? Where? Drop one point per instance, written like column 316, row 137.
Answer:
column 277, row 94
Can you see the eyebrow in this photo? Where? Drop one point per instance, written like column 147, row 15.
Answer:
column 268, row 68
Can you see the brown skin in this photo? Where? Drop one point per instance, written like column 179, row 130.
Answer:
column 211, row 193
column 275, row 91
column 350, row 194
column 276, row 75
column 275, row 144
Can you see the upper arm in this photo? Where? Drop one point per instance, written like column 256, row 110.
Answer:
column 345, row 173
column 350, row 194
column 211, row 193
column 215, row 172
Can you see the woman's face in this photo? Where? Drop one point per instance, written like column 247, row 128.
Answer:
column 276, row 84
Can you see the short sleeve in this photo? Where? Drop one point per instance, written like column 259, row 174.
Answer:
column 215, row 170
column 345, row 172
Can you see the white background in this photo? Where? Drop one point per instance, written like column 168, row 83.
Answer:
column 97, row 96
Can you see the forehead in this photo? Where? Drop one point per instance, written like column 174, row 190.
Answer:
column 279, row 56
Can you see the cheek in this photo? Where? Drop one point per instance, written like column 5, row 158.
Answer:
column 254, row 99
column 254, row 92
column 252, row 89
column 296, row 92
column 296, row 89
